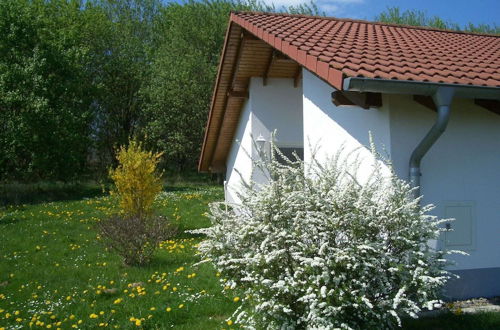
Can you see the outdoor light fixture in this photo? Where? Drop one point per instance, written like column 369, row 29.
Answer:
column 261, row 142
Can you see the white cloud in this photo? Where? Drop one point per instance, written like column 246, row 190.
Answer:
column 330, row 7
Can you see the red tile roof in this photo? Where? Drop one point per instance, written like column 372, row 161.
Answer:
column 337, row 48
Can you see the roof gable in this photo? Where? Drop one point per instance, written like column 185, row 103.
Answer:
column 375, row 50
column 278, row 45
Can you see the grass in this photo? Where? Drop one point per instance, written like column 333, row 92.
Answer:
column 482, row 321
column 55, row 273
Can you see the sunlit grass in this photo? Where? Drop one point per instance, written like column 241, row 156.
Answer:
column 55, row 273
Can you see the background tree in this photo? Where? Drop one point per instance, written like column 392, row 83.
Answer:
column 121, row 43
column 78, row 78
column 421, row 18
column 178, row 94
column 45, row 113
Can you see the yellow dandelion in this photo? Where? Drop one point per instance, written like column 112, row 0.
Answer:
column 236, row 299
column 168, row 309
column 229, row 322
column 93, row 316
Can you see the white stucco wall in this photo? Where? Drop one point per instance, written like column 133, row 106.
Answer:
column 463, row 166
column 276, row 106
column 327, row 128
column 239, row 156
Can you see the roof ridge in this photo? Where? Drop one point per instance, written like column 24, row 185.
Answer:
column 331, row 18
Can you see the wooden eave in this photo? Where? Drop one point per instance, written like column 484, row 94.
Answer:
column 244, row 56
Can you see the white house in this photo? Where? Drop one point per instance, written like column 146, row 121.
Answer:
column 430, row 98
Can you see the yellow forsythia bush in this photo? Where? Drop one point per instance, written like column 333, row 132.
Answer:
column 137, row 180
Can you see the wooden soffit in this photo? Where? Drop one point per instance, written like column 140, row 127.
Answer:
column 244, row 56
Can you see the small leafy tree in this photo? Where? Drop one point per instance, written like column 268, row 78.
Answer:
column 136, row 179
column 315, row 248
column 136, row 232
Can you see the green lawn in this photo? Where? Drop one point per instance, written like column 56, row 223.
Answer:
column 55, row 273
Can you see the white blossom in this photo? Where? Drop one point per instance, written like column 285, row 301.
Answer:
column 316, row 249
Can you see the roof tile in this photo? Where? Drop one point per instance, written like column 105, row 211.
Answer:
column 335, row 47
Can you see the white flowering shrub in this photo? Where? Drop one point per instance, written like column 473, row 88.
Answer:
column 321, row 250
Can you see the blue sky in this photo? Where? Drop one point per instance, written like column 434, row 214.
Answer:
column 458, row 11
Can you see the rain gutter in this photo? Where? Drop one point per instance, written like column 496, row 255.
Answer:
column 442, row 95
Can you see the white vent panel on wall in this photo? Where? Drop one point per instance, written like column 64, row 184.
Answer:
column 463, row 229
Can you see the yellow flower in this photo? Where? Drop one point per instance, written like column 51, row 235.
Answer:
column 236, row 299
column 138, row 323
column 168, row 309
column 181, row 305
column 152, row 309
column 229, row 322
column 94, row 316
column 117, row 301
column 68, row 298
column 101, row 313
column 71, row 317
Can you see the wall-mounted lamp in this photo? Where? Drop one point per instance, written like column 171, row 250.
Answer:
column 261, row 142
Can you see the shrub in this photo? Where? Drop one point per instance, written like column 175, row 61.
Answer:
column 136, row 232
column 134, row 238
column 314, row 248
column 136, row 179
